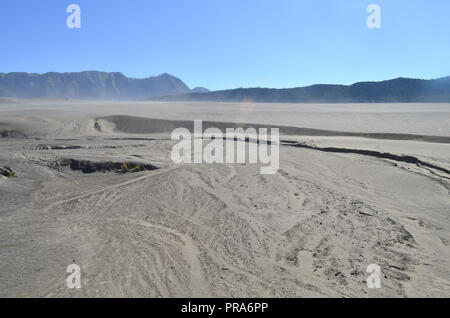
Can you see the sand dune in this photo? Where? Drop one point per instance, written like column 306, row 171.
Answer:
column 202, row 230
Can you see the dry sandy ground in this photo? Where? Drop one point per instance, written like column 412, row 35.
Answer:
column 199, row 230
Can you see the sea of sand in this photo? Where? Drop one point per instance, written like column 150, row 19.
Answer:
column 337, row 204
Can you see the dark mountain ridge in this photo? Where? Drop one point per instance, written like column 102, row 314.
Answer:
column 403, row 90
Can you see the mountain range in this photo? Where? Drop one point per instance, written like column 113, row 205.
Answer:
column 88, row 85
column 400, row 90
column 165, row 87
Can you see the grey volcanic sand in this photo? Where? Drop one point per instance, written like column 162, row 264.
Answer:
column 414, row 118
column 200, row 230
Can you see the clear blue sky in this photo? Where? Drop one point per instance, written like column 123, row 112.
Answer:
column 223, row 44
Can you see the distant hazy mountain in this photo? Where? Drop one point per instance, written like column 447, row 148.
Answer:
column 88, row 85
column 200, row 90
column 101, row 85
column 396, row 90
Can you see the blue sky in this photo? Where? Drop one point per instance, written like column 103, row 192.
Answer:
column 224, row 44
